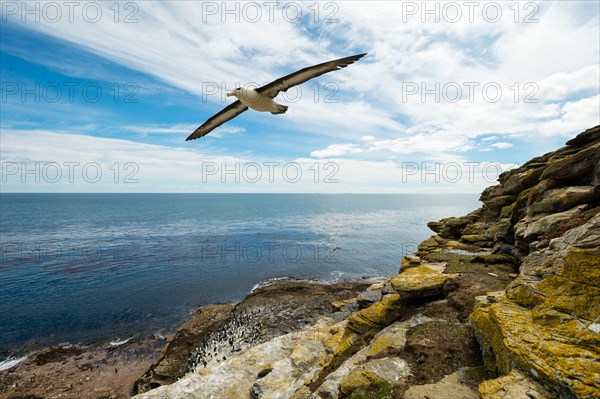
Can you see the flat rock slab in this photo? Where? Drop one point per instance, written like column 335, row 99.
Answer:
column 391, row 369
column 420, row 282
column 515, row 385
column 368, row 297
column 450, row 387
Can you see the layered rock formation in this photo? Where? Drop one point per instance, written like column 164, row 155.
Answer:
column 502, row 303
column 543, row 331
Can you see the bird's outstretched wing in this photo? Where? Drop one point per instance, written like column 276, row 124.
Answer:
column 301, row 76
column 271, row 90
column 229, row 112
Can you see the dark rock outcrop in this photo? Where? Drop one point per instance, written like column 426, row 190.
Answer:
column 531, row 200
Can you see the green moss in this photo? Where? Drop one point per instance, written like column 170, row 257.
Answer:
column 473, row 238
column 375, row 390
column 474, row 228
column 424, row 329
column 452, row 259
column 496, row 259
column 507, row 211
column 463, row 332
column 524, row 195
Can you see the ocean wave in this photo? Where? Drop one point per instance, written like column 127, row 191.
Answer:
column 119, row 342
column 268, row 282
column 11, row 361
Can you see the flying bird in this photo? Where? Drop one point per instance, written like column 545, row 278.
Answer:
column 261, row 99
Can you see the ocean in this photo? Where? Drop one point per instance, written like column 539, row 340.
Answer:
column 83, row 268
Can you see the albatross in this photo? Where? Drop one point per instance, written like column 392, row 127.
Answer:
column 261, row 99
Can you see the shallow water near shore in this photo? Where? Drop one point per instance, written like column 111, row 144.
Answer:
column 89, row 267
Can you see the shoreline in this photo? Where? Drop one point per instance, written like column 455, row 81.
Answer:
column 24, row 352
column 91, row 366
column 30, row 347
column 72, row 371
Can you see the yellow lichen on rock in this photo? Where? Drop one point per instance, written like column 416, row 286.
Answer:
column 307, row 352
column 419, row 282
column 377, row 315
column 410, row 261
column 525, row 292
column 339, row 305
column 336, row 332
column 348, row 339
column 554, row 354
column 570, row 297
column 474, row 238
column 384, row 345
column 583, row 265
column 515, row 385
column 495, row 358
column 430, row 244
column 356, row 379
column 547, row 325
column 390, row 370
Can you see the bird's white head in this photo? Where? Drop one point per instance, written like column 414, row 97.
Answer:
column 234, row 93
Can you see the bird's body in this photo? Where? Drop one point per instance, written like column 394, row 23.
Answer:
column 258, row 101
column 261, row 99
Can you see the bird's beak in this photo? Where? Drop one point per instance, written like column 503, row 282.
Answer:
column 231, row 94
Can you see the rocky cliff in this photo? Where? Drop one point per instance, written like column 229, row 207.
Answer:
column 502, row 303
column 544, row 328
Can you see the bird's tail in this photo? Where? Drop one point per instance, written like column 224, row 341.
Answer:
column 280, row 109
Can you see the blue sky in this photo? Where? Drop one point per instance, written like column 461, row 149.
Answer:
column 100, row 97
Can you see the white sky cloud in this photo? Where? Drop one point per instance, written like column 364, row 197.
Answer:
column 97, row 164
column 151, row 129
column 554, row 62
column 501, row 145
column 559, row 54
column 223, row 131
column 336, row 150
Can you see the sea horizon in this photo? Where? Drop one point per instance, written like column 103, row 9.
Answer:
column 241, row 193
